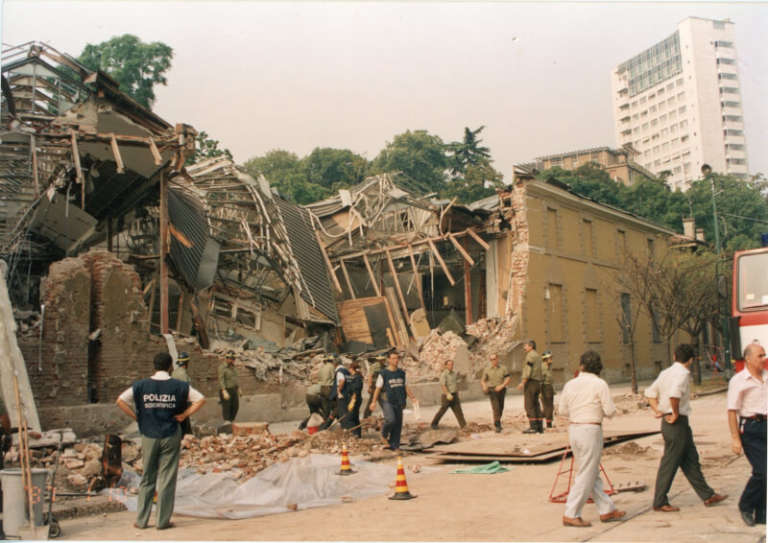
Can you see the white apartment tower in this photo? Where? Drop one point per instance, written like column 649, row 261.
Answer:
column 679, row 103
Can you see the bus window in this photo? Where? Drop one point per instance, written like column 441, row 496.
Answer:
column 753, row 281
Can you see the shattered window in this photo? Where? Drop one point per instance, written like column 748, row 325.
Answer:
column 245, row 317
column 222, row 308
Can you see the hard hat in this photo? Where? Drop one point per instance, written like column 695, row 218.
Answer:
column 546, row 354
column 183, row 359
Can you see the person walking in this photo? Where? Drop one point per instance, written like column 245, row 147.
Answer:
column 326, row 378
column 449, row 397
column 159, row 404
column 374, row 368
column 495, row 380
column 531, row 387
column 547, row 389
column 586, row 400
column 353, row 399
column 181, row 374
column 747, row 410
column 229, row 391
column 392, row 382
column 669, row 397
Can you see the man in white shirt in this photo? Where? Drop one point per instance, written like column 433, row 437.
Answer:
column 747, row 410
column 585, row 400
column 669, row 397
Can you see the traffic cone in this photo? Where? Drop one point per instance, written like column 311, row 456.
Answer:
column 401, row 486
column 346, row 469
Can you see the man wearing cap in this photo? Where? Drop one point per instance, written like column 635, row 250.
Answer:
column 586, row 400
column 547, row 389
column 180, row 373
column 531, row 387
column 669, row 397
column 370, row 380
column 229, row 391
column 391, row 381
column 450, row 396
column 159, row 404
column 494, row 381
column 747, row 411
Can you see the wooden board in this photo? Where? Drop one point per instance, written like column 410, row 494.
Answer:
column 354, row 321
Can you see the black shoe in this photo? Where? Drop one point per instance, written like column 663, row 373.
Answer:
column 530, row 430
column 497, row 429
column 434, row 426
column 748, row 517
column 549, row 424
column 540, row 426
column 302, row 425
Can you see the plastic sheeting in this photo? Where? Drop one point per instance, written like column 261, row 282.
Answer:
column 300, row 483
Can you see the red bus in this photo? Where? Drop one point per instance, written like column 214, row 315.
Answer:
column 750, row 302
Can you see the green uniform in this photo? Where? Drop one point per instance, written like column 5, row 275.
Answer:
column 546, row 374
column 325, row 376
column 228, row 381
column 532, row 366
column 181, row 374
column 227, row 376
column 449, row 380
column 493, row 377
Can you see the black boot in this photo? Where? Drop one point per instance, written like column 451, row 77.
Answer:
column 498, row 427
column 540, row 426
column 549, row 424
column 531, row 429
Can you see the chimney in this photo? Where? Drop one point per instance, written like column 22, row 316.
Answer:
column 689, row 227
column 700, row 234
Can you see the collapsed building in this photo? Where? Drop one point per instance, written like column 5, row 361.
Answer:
column 118, row 247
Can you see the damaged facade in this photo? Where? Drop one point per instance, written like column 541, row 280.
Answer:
column 112, row 240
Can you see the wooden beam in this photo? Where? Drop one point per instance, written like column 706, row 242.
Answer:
column 163, row 252
column 78, row 169
column 478, row 239
column 35, row 176
column 116, row 154
column 442, row 262
column 467, row 293
column 328, row 263
column 371, row 275
column 346, row 278
column 155, row 152
column 461, row 250
column 396, row 281
column 179, row 311
column 417, row 278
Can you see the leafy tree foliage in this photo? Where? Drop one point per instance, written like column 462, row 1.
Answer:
column 472, row 175
column 420, row 156
column 135, row 65
column 468, row 152
column 334, row 168
column 206, row 147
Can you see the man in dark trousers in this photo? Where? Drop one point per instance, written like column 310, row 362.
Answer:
column 531, row 387
column 229, row 390
column 669, row 397
column 391, row 380
column 159, row 404
column 494, row 381
column 449, row 397
column 352, row 399
column 747, row 411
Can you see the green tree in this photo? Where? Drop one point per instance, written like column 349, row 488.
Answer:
column 135, row 65
column 284, row 171
column 468, row 152
column 334, row 168
column 207, row 148
column 420, row 156
column 589, row 180
column 653, row 200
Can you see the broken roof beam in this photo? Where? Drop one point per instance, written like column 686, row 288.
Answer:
column 346, row 278
column 478, row 239
column 116, row 153
column 461, row 250
column 372, row 276
column 396, row 281
column 331, row 271
column 78, row 169
column 441, row 261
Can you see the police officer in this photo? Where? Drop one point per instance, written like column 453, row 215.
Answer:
column 338, row 392
column 547, row 389
column 353, row 399
column 494, row 381
column 229, row 391
column 159, row 404
column 391, row 381
column 449, row 397
column 373, row 373
column 180, row 373
column 531, row 387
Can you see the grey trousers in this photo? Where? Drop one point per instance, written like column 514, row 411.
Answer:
column 587, row 445
column 161, row 465
column 679, row 452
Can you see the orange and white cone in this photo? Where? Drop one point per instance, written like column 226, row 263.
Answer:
column 346, row 468
column 401, row 486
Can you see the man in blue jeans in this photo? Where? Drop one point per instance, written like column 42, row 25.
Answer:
column 160, row 405
column 391, row 380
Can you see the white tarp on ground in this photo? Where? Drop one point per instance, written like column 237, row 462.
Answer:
column 303, row 483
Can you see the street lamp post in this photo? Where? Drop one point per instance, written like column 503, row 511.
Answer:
column 706, row 171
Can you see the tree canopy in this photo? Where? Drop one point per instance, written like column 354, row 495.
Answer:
column 206, row 147
column 135, row 65
column 420, row 156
